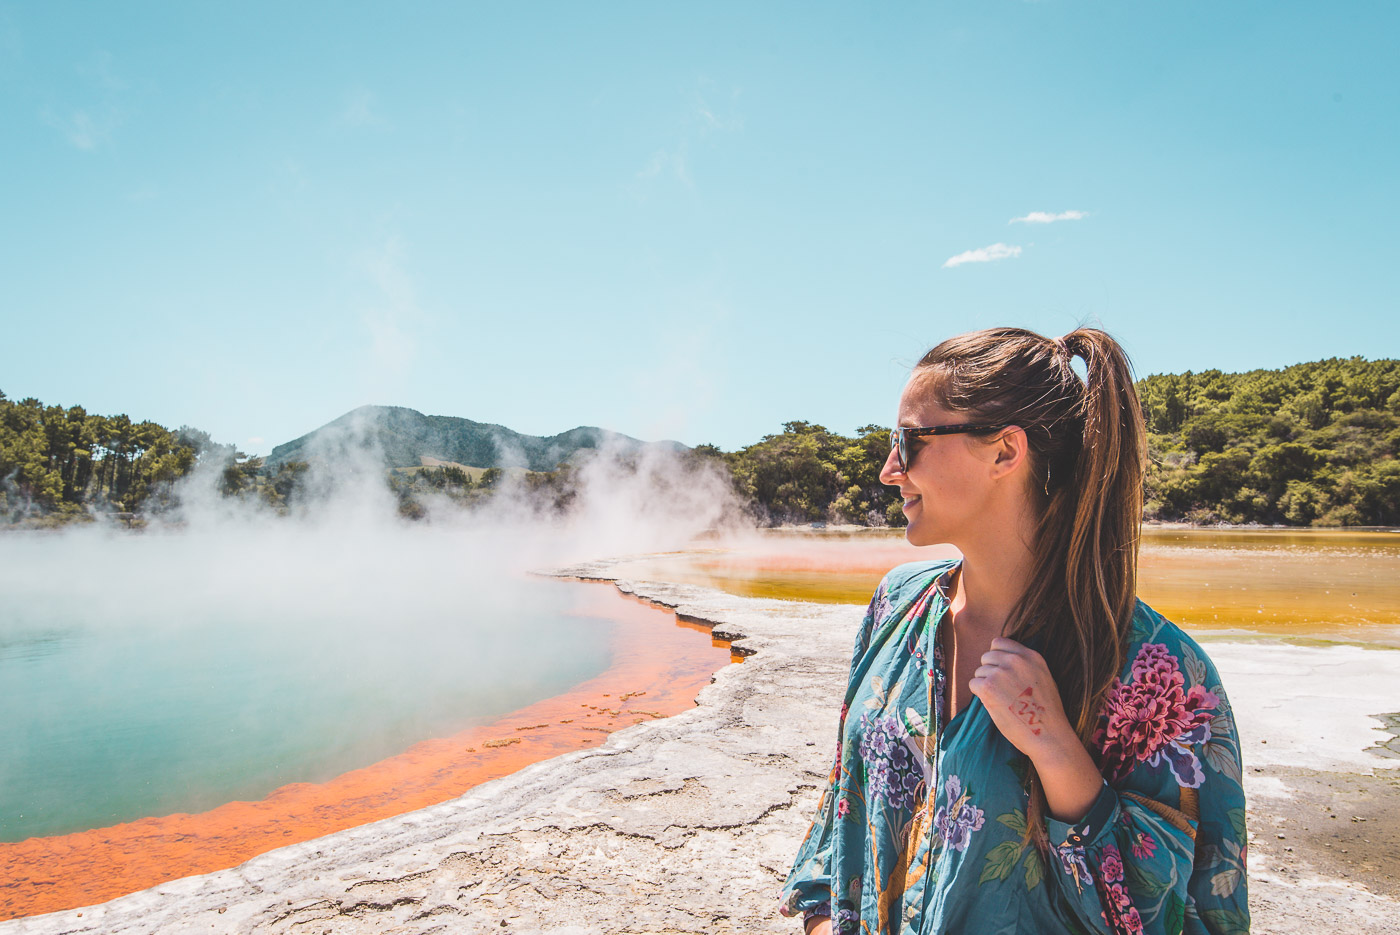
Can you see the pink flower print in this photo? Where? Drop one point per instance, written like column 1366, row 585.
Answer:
column 1111, row 865
column 843, row 807
column 1154, row 718
column 1119, row 914
column 1143, row 845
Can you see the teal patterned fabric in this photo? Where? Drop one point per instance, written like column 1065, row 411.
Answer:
column 921, row 828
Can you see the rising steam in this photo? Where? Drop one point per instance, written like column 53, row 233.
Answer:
column 109, row 631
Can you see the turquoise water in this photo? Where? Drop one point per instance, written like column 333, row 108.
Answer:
column 155, row 686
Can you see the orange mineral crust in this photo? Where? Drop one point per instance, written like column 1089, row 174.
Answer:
column 658, row 666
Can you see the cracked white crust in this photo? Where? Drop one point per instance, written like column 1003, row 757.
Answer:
column 686, row 824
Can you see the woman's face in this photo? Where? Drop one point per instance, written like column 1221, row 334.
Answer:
column 946, row 484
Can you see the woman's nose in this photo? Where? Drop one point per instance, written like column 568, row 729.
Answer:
column 890, row 470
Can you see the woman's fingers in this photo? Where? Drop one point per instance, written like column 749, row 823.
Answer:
column 1008, row 652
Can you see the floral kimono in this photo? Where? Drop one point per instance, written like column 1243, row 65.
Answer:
column 922, row 828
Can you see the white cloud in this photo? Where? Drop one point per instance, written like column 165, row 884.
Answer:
column 91, row 124
column 710, row 120
column 360, row 109
column 666, row 162
column 80, row 129
column 1045, row 217
column 997, row 251
column 392, row 315
column 699, row 127
column 83, row 129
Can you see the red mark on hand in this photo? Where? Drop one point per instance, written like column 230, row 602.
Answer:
column 1028, row 710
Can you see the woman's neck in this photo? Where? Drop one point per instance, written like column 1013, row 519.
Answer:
column 995, row 572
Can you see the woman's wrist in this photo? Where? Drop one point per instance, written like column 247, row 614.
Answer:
column 1068, row 776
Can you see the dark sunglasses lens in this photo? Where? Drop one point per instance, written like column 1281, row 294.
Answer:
column 897, row 443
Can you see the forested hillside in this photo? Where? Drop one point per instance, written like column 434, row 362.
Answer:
column 1314, row 443
column 58, row 462
column 809, row 473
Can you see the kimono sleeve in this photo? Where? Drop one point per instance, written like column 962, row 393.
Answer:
column 1163, row 848
column 808, row 888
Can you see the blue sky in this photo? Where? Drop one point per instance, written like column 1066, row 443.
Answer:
column 687, row 221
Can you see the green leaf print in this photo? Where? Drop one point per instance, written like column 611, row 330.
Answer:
column 1144, row 883
column 1225, row 882
column 915, row 722
column 1035, row 869
column 1222, row 759
column 1016, row 821
column 1227, row 921
column 1175, row 918
column 1001, row 860
column 1237, row 823
column 877, row 688
column 1195, row 669
column 1075, row 928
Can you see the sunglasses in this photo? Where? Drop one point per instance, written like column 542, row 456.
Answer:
column 899, row 437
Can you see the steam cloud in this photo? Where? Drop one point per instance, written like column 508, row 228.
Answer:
column 225, row 598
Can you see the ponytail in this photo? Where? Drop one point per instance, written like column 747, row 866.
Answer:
column 1088, row 442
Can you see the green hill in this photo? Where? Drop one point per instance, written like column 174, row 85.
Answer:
column 404, row 437
column 1314, row 443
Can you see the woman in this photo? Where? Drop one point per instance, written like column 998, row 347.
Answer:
column 1024, row 746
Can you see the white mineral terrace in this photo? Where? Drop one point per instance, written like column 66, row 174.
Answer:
column 689, row 824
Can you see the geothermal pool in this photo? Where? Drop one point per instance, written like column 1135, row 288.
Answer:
column 1333, row 585
column 175, row 708
column 124, row 722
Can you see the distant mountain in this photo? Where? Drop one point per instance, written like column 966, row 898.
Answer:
column 405, row 437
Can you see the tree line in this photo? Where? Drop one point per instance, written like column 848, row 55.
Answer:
column 59, row 462
column 1313, row 443
column 1310, row 444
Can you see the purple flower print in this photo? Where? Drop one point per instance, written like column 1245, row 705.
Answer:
column 891, row 772
column 881, row 608
column 957, row 818
column 1071, row 858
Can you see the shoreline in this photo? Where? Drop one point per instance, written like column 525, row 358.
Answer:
column 658, row 663
column 689, row 823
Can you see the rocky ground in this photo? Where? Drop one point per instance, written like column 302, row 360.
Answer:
column 688, row 824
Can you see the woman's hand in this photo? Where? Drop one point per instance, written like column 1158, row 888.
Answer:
column 1020, row 694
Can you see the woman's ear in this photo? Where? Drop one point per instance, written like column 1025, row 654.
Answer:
column 1011, row 451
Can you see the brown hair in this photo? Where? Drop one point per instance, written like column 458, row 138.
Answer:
column 1087, row 451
